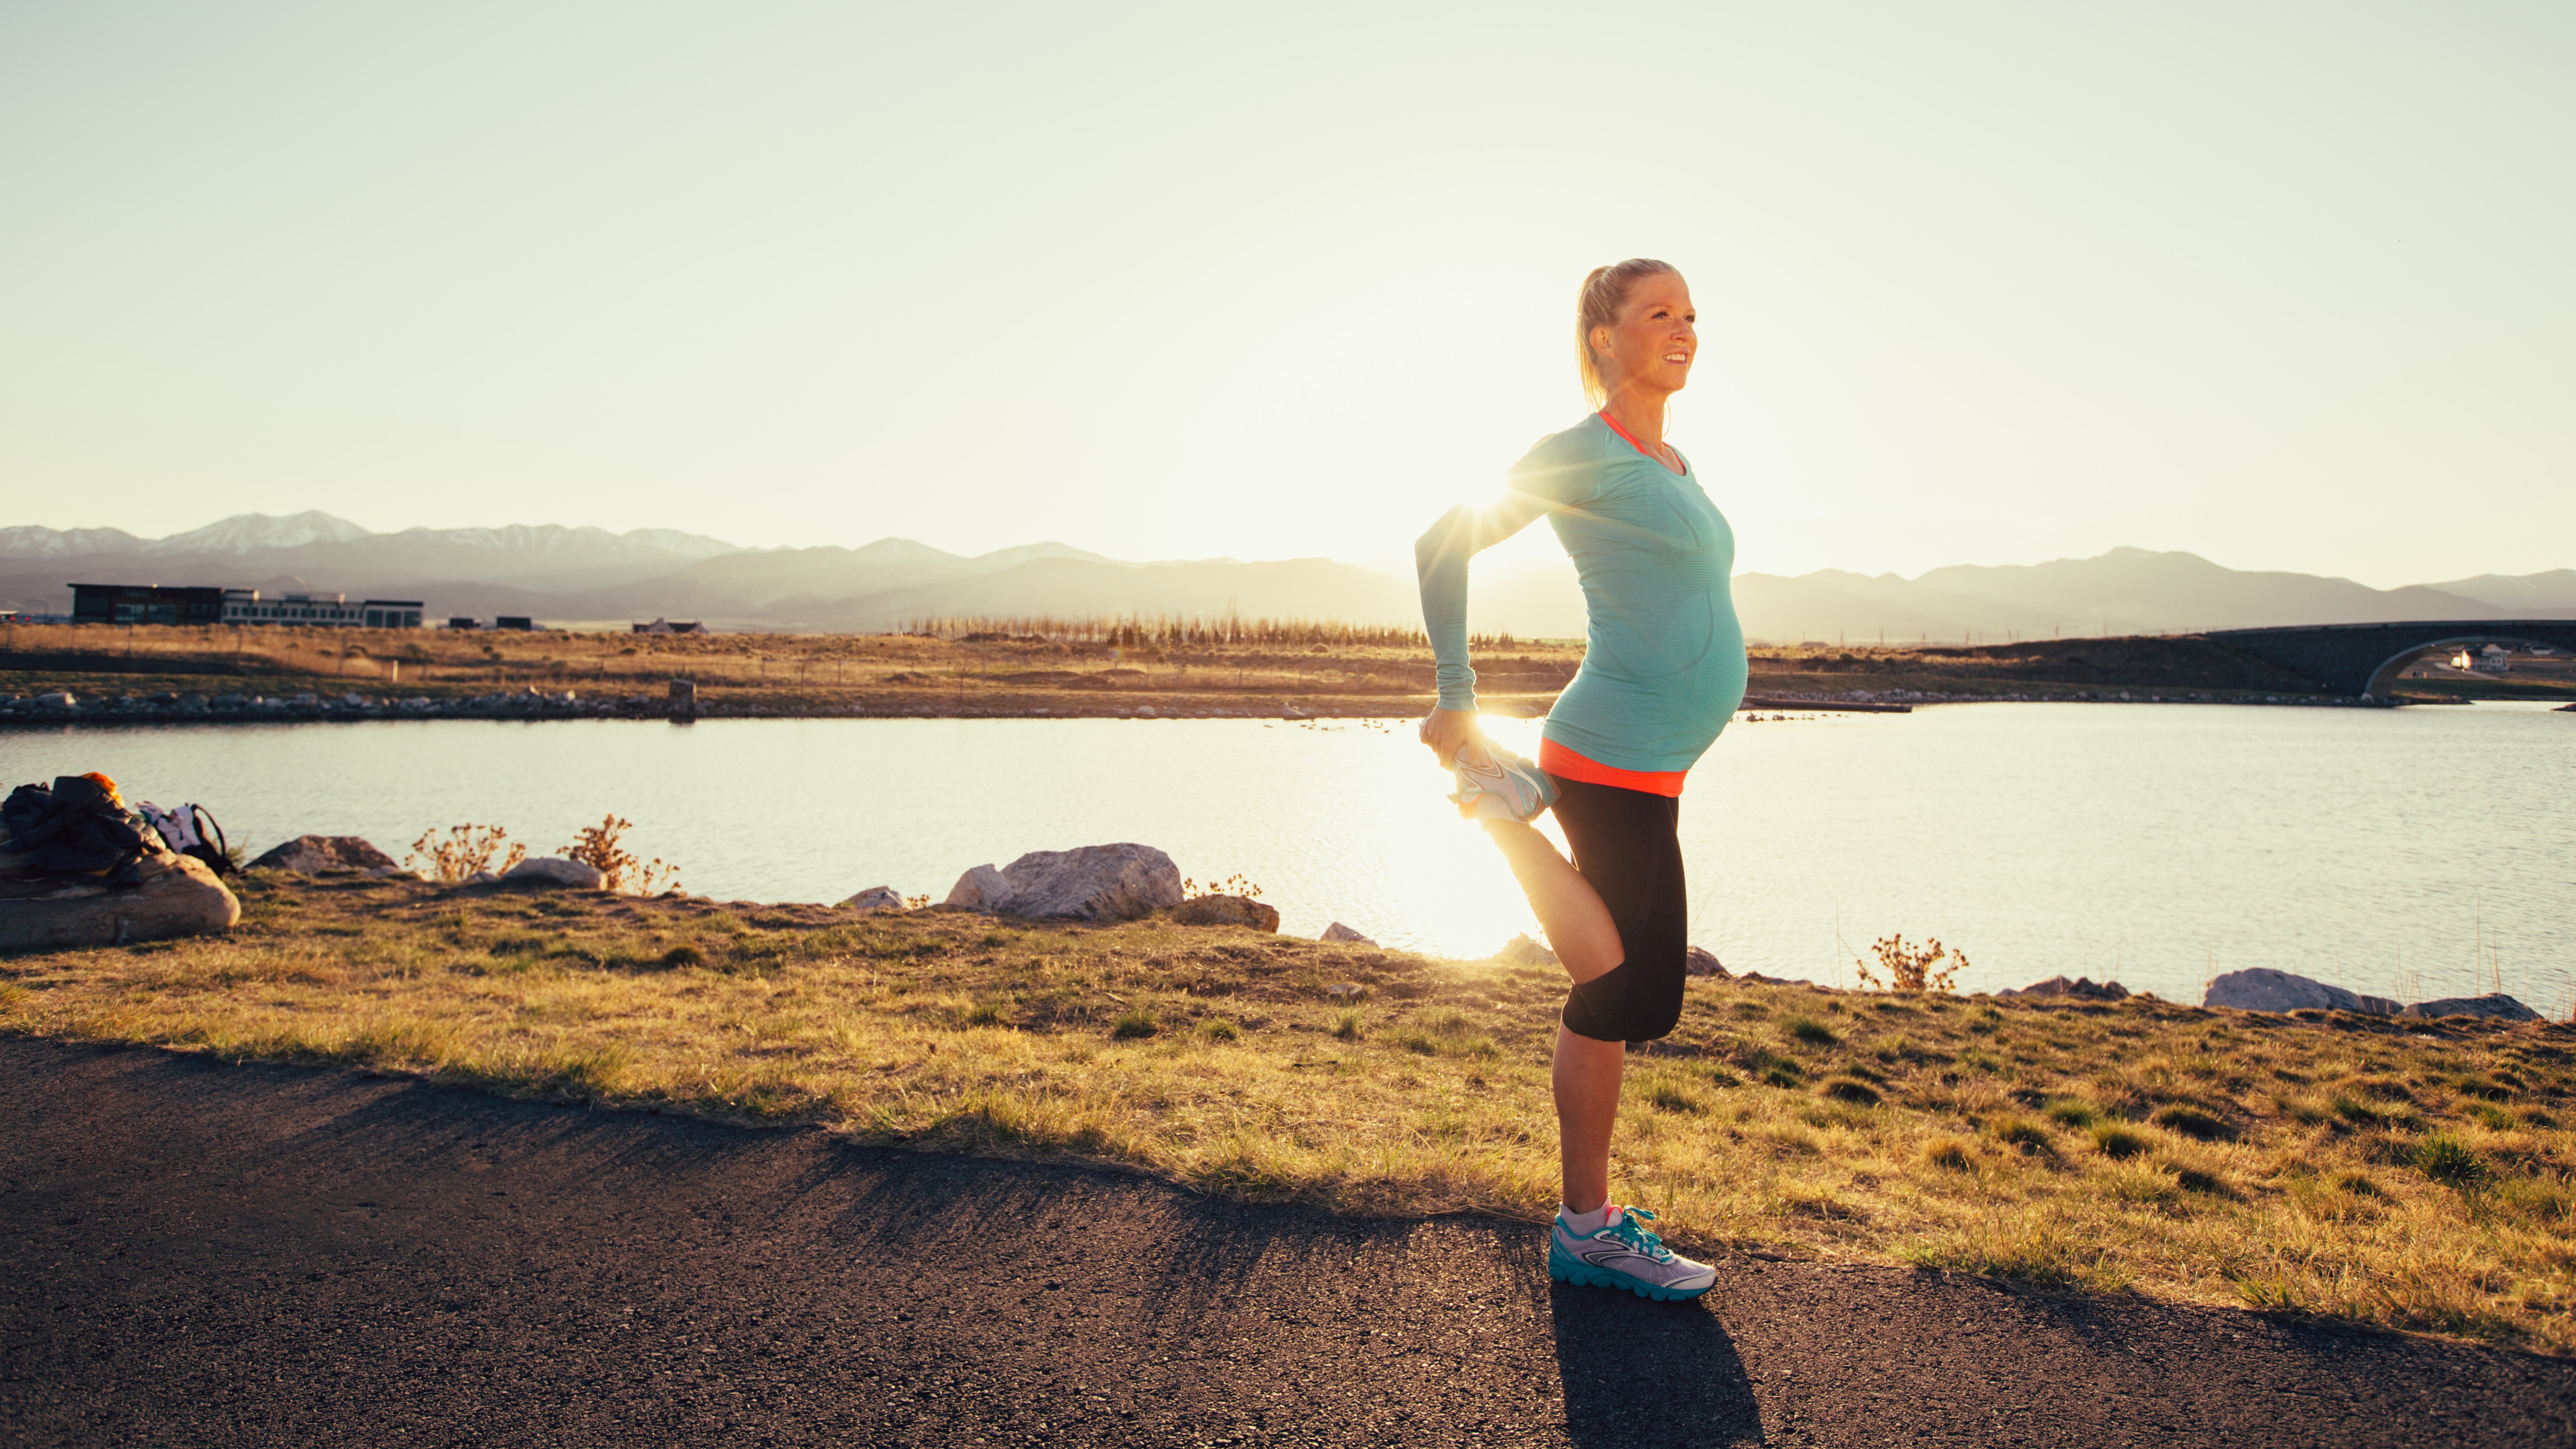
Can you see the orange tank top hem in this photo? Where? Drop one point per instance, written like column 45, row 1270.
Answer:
column 1565, row 764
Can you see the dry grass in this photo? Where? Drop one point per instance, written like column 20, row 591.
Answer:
column 2409, row 1174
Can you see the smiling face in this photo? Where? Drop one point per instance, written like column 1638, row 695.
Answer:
column 1654, row 340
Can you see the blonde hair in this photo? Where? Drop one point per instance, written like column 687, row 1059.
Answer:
column 1604, row 292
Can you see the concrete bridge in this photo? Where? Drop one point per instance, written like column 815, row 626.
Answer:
column 2364, row 659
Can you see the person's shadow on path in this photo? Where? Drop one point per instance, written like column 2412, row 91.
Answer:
column 1638, row 1373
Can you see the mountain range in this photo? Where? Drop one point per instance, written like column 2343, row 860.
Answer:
column 591, row 576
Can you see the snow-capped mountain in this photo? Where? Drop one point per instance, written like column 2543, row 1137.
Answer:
column 249, row 533
column 29, row 540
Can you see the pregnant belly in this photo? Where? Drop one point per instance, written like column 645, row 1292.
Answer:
column 1668, row 646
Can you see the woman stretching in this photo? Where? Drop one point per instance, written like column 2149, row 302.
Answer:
column 1663, row 670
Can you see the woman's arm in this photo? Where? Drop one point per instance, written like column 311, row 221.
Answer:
column 1440, row 565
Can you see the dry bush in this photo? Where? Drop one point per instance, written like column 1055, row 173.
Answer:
column 466, row 850
column 599, row 847
column 1913, row 970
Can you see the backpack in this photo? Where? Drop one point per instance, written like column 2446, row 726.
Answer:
column 191, row 830
column 77, row 827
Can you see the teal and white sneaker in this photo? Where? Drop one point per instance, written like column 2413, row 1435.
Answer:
column 1506, row 787
column 1623, row 1254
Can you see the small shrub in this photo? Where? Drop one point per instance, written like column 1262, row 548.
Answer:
column 1783, row 1077
column 1667, row 1097
column 1218, row 1028
column 2117, row 1142
column 2493, row 1118
column 683, row 955
column 2194, row 1123
column 1417, row 1043
column 984, row 1013
column 598, row 846
column 1910, row 969
column 1847, row 1089
column 1347, row 1027
column 1809, row 1030
column 2446, row 1159
column 1134, row 1023
column 1748, row 1008
column 1950, row 1154
column 2358, row 1184
column 468, row 849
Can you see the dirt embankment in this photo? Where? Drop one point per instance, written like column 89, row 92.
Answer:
column 222, row 673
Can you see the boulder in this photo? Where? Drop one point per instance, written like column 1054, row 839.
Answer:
column 2495, row 1004
column 2081, row 988
column 1226, row 911
column 981, row 889
column 875, row 898
column 1093, row 883
column 1698, row 962
column 314, row 854
column 1345, row 991
column 1339, row 932
column 2260, row 988
column 554, row 870
column 177, row 896
column 1522, row 951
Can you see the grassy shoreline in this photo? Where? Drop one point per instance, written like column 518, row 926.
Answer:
column 2414, row 1175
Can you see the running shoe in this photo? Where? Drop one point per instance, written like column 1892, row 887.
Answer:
column 1624, row 1254
column 1504, row 787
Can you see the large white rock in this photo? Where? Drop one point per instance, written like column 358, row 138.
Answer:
column 1339, row 932
column 876, row 898
column 555, row 870
column 178, row 896
column 981, row 889
column 2260, row 988
column 1093, row 883
column 1522, row 951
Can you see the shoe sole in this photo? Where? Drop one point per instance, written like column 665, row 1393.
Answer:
column 1584, row 1275
column 1545, row 789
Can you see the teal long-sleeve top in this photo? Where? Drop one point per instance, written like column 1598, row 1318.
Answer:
column 1664, row 666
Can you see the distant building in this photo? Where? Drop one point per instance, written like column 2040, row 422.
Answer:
column 462, row 621
column 145, row 604
column 2494, row 659
column 514, row 621
column 665, row 626
column 316, row 610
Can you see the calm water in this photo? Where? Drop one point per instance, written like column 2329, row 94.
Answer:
column 2414, row 852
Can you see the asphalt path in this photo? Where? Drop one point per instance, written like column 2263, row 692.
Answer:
column 199, row 1253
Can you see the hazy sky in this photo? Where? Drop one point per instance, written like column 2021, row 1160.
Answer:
column 2292, row 286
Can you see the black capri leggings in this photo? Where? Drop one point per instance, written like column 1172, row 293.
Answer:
column 1627, row 844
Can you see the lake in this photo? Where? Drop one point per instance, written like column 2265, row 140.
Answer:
column 2414, row 853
